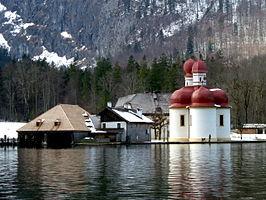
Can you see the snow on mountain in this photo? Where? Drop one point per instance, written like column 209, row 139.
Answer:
column 66, row 35
column 53, row 58
column 4, row 43
column 88, row 30
column 2, row 7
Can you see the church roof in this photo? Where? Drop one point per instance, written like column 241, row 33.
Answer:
column 199, row 67
column 195, row 96
column 63, row 117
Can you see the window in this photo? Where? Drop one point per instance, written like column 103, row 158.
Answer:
column 57, row 122
column 147, row 131
column 104, row 125
column 182, row 120
column 158, row 110
column 39, row 122
column 118, row 125
column 221, row 120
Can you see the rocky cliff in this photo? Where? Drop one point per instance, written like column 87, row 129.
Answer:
column 64, row 30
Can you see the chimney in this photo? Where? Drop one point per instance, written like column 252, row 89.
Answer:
column 139, row 112
column 109, row 104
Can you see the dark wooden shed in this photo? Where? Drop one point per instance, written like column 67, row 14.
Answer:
column 61, row 126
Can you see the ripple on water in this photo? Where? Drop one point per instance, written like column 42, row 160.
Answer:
column 230, row 171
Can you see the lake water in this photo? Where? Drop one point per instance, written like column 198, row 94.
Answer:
column 176, row 171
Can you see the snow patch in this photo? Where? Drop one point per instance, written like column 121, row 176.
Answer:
column 54, row 58
column 15, row 20
column 10, row 129
column 66, row 35
column 28, row 37
column 132, row 117
column 2, row 7
column 4, row 43
column 215, row 89
column 171, row 29
column 25, row 26
column 11, row 16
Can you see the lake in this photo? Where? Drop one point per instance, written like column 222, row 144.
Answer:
column 175, row 171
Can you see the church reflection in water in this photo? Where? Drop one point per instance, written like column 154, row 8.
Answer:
column 199, row 171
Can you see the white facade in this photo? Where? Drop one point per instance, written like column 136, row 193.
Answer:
column 178, row 129
column 115, row 125
column 200, row 124
column 223, row 123
column 188, row 81
column 199, row 79
column 119, row 124
column 203, row 124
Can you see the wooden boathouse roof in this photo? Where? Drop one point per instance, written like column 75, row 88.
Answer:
column 63, row 117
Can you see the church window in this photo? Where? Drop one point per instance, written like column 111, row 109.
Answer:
column 221, row 120
column 182, row 120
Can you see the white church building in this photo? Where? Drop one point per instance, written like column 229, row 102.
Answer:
column 198, row 112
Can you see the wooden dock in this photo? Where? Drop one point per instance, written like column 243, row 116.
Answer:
column 4, row 142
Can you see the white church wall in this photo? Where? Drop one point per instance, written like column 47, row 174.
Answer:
column 178, row 132
column 223, row 130
column 203, row 123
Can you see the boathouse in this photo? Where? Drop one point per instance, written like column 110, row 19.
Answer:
column 61, row 126
column 253, row 129
column 126, row 125
column 199, row 112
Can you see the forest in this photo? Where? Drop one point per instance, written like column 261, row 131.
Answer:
column 28, row 88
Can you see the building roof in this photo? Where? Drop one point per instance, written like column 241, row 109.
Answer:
column 198, row 96
column 188, row 67
column 148, row 102
column 194, row 96
column 123, row 114
column 199, row 67
column 131, row 116
column 254, row 125
column 69, row 118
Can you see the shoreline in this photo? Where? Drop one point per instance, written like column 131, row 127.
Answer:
column 162, row 142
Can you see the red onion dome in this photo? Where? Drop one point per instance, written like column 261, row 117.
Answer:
column 199, row 67
column 220, row 97
column 202, row 97
column 188, row 67
column 182, row 97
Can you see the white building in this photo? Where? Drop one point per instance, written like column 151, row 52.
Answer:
column 198, row 112
column 125, row 125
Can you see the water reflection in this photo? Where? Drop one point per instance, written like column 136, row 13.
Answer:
column 225, row 171
column 8, row 172
column 200, row 171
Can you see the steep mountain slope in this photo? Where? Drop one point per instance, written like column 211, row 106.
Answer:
column 88, row 29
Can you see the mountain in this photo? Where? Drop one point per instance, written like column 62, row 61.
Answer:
column 64, row 30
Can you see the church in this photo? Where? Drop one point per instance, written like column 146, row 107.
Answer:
column 198, row 112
